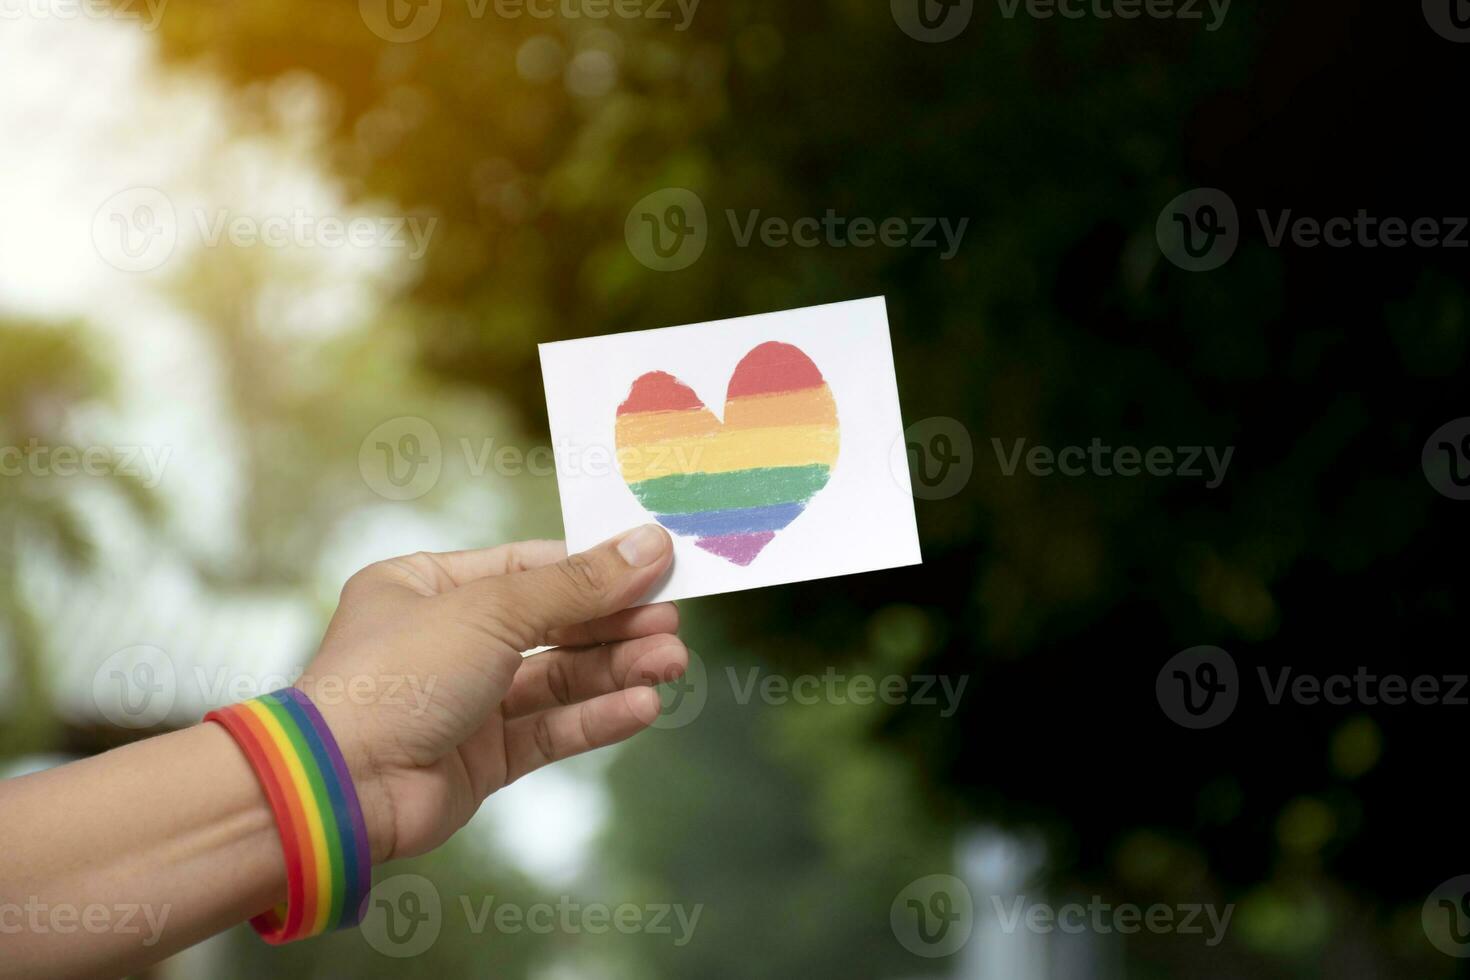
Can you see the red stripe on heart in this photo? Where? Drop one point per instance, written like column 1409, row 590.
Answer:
column 773, row 367
column 659, row 391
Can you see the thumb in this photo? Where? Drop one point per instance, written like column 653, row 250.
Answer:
column 525, row 606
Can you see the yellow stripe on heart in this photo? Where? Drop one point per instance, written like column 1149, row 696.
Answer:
column 727, row 450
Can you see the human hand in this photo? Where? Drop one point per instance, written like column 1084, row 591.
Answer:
column 468, row 714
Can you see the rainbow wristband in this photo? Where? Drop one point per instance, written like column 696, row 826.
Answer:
column 328, row 862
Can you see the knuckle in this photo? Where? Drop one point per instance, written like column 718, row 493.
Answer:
column 360, row 580
column 515, row 558
column 584, row 574
column 584, row 722
column 519, row 555
column 542, row 738
column 559, row 682
column 422, row 571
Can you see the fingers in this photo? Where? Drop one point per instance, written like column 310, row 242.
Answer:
column 522, row 608
column 507, row 559
column 559, row 733
column 431, row 573
column 568, row 676
column 662, row 617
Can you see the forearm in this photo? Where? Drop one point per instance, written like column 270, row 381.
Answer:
column 117, row 861
column 113, row 863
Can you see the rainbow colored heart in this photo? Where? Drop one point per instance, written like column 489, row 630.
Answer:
column 731, row 485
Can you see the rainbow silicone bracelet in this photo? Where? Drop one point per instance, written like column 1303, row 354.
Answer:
column 328, row 861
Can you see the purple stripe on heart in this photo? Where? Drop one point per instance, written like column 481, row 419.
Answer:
column 738, row 548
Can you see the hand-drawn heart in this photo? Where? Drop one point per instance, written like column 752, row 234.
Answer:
column 733, row 484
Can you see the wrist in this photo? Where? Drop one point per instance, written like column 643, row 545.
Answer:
column 345, row 720
column 319, row 815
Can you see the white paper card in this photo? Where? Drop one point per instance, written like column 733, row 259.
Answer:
column 771, row 446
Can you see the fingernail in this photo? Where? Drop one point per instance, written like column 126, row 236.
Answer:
column 643, row 546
